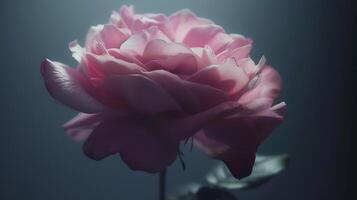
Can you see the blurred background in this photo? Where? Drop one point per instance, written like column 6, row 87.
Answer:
column 308, row 42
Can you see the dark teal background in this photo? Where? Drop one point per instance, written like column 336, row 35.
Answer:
column 306, row 41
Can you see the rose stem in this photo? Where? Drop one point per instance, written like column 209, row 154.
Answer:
column 162, row 183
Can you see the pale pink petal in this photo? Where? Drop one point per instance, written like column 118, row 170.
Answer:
column 172, row 57
column 182, row 64
column 141, row 94
column 237, row 54
column 127, row 14
column 77, row 50
column 202, row 35
column 116, row 20
column 204, row 56
column 82, row 125
column 108, row 35
column 268, row 85
column 135, row 44
column 125, row 56
column 181, row 22
column 109, row 65
column 67, row 85
column 227, row 77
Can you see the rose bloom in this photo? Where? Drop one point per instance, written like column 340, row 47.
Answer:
column 145, row 83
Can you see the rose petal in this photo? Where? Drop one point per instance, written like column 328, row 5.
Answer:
column 67, row 86
column 227, row 77
column 141, row 94
column 77, row 50
column 82, row 125
column 237, row 54
column 109, row 65
column 140, row 146
column 107, row 35
column 116, row 20
column 182, row 21
column 268, row 85
column 176, row 87
column 211, row 35
column 207, row 96
column 204, row 56
column 127, row 14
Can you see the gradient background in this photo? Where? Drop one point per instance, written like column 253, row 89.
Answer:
column 307, row 41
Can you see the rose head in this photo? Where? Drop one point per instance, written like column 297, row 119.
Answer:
column 145, row 83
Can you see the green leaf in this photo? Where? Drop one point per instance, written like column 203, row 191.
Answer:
column 265, row 168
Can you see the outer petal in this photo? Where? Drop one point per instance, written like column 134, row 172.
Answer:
column 148, row 144
column 67, row 86
column 82, row 125
column 141, row 94
column 242, row 133
column 227, row 77
column 141, row 147
column 207, row 96
column 268, row 86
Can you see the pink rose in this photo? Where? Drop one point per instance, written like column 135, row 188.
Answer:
column 145, row 83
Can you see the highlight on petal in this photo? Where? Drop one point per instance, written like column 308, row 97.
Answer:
column 105, row 36
column 127, row 14
column 237, row 54
column 77, row 50
column 141, row 94
column 227, row 77
column 268, row 85
column 82, row 125
column 181, row 22
column 206, row 35
column 204, row 56
column 67, row 86
column 109, row 65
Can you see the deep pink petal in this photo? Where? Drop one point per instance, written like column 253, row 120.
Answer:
column 141, row 94
column 227, row 77
column 211, row 147
column 207, row 96
column 177, row 88
column 141, row 147
column 67, row 85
